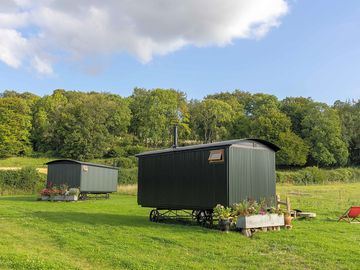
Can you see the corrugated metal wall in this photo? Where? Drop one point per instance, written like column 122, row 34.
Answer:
column 251, row 174
column 98, row 179
column 182, row 180
column 59, row 174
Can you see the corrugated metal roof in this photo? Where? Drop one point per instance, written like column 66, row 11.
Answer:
column 272, row 146
column 82, row 163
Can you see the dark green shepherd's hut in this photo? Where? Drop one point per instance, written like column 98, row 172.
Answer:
column 88, row 177
column 199, row 177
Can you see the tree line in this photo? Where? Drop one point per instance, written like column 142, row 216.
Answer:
column 91, row 125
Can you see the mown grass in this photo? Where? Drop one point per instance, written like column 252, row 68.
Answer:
column 38, row 162
column 116, row 234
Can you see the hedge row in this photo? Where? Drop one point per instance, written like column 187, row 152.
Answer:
column 128, row 176
column 314, row 175
column 27, row 179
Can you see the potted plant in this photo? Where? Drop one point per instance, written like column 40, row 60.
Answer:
column 72, row 194
column 224, row 216
column 287, row 218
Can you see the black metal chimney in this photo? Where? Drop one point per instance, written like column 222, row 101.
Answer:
column 175, row 136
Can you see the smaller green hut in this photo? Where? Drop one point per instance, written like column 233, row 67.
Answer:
column 88, row 177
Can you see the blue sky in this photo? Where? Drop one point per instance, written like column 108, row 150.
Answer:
column 314, row 52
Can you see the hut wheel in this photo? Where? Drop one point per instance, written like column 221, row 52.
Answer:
column 154, row 215
column 194, row 214
column 201, row 217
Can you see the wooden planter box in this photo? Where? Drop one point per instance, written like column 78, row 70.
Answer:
column 58, row 198
column 71, row 198
column 260, row 221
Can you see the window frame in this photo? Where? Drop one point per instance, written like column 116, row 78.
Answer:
column 215, row 152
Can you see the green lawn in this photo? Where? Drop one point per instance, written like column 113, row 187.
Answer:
column 38, row 162
column 24, row 162
column 116, row 234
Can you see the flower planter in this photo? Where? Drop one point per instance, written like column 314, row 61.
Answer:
column 45, row 198
column 58, row 198
column 259, row 221
column 71, row 198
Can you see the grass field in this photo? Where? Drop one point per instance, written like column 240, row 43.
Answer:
column 24, row 162
column 116, row 234
column 38, row 162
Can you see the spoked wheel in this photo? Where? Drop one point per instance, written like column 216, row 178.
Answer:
column 154, row 215
column 204, row 217
column 83, row 196
column 201, row 217
column 209, row 218
column 194, row 214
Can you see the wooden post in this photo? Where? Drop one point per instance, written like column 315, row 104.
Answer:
column 288, row 207
column 277, row 201
column 286, row 203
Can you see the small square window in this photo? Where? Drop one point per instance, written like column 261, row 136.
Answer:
column 216, row 156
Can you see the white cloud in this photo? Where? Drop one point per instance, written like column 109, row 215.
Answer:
column 30, row 31
column 13, row 47
column 42, row 65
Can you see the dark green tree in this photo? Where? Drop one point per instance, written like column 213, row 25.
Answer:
column 15, row 126
column 322, row 132
column 349, row 113
column 79, row 125
column 155, row 112
column 210, row 118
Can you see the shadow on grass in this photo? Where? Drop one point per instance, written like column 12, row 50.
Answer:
column 99, row 219
column 94, row 218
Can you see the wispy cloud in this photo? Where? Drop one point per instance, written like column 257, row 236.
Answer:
column 37, row 32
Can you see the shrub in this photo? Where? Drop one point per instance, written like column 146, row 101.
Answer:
column 314, row 175
column 124, row 162
column 132, row 150
column 27, row 179
column 128, row 176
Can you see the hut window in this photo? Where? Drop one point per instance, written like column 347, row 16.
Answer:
column 216, row 156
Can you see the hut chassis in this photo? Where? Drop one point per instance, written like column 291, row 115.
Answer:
column 202, row 217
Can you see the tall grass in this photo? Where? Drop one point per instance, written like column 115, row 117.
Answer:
column 127, row 189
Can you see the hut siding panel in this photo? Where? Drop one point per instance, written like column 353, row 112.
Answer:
column 251, row 174
column 98, row 179
column 64, row 173
column 182, row 180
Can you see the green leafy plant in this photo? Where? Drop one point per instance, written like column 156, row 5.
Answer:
column 222, row 212
column 63, row 189
column 73, row 192
column 279, row 211
column 246, row 208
